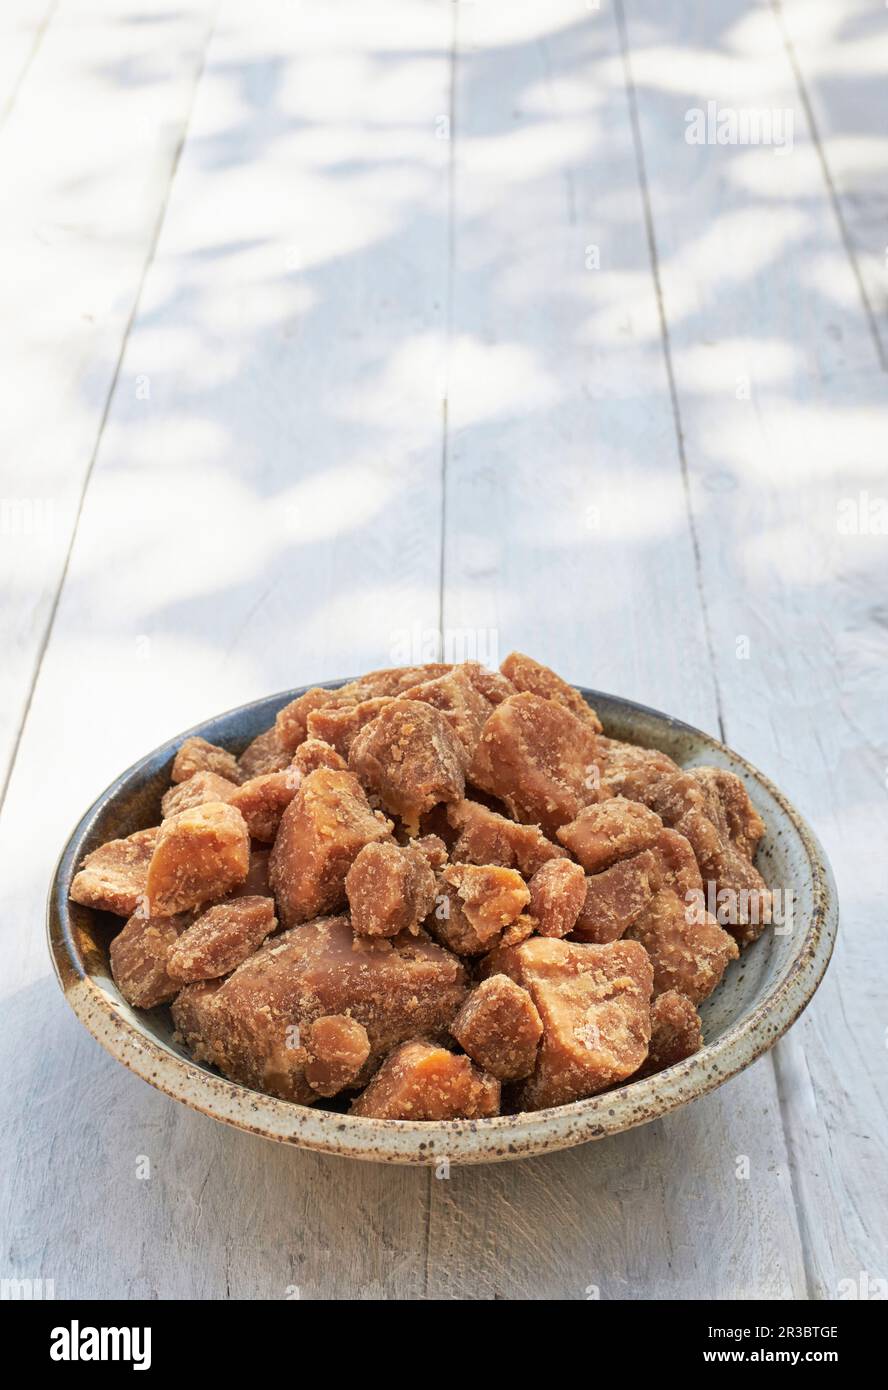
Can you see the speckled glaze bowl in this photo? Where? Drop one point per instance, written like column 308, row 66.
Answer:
column 762, row 993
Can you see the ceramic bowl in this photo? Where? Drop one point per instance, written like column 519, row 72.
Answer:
column 762, row 993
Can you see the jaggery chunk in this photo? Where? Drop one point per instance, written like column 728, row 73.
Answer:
column 196, row 755
column 262, row 801
column 460, row 701
column 221, row 938
column 410, row 758
column 114, row 877
column 688, row 949
column 485, row 837
column 539, row 759
column 490, row 897
column 531, row 676
column 676, row 1032
column 339, row 725
column 337, row 1047
column 729, row 807
column 675, row 865
column 434, row 849
column 493, row 685
column 201, row 854
column 557, row 896
column 612, row 830
column 616, row 898
column 594, row 1002
column 500, row 1029
column 266, row 753
column 256, row 882
column 291, row 723
column 201, row 787
column 252, row 1027
column 683, row 802
column 315, row 753
column 420, row 1081
column 390, row 889
column 321, row 832
column 140, row 956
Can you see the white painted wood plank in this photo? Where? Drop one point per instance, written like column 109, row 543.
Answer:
column 840, row 55
column 789, row 496
column 266, row 512
column 22, row 26
column 86, row 154
column 559, row 402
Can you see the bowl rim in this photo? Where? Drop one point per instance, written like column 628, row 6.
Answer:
column 458, row 1141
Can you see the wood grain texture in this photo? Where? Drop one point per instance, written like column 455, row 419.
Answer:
column 86, row 154
column 839, row 55
column 613, row 604
column 268, row 513
column 788, row 485
column 438, row 327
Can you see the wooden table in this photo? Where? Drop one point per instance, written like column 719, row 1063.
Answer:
column 331, row 327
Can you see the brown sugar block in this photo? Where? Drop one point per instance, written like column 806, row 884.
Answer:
column 689, row 952
column 192, row 1011
column 291, row 723
column 339, row 725
column 392, row 680
column 676, row 1032
column 614, row 829
column 201, row 854
column 266, row 753
column 254, row 1025
column 675, row 865
column 114, row 877
column 729, row 807
column 140, row 957
column 434, row 850
column 390, row 889
column 196, row 755
column 594, row 1002
column 421, row 1081
column 321, row 832
column 337, row 1047
column 315, row 753
column 202, row 786
column 449, row 924
column 485, row 837
column 262, row 801
column 531, row 676
column 616, row 897
column 557, row 896
column 221, row 938
column 539, row 759
column 410, row 758
column 500, row 1029
column 292, row 720
column 493, row 685
column 256, row 882
column 683, row 802
column 490, row 897
column 460, row 701
column 519, row 930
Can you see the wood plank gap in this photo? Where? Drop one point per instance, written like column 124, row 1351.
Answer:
column 448, row 311
column 26, row 66
column 650, row 234
column 152, row 248
column 832, row 191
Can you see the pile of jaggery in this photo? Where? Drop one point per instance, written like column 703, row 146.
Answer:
column 436, row 892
